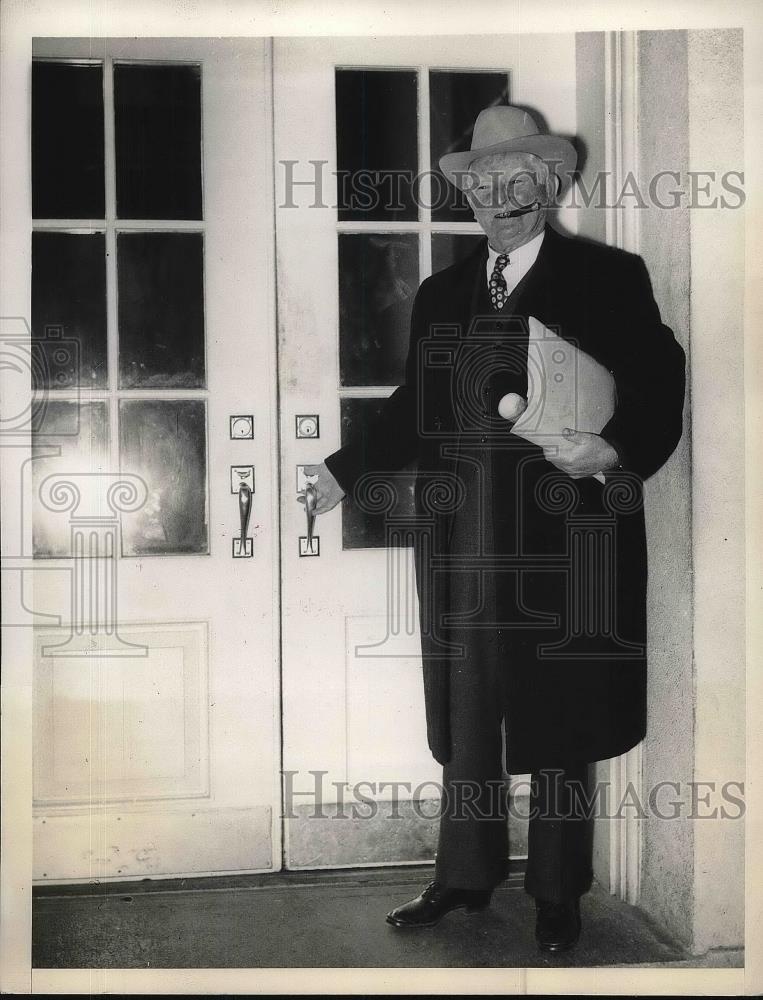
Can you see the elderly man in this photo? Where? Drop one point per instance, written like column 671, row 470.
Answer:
column 533, row 642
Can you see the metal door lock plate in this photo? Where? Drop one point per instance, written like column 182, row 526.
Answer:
column 241, row 474
column 308, row 425
column 242, row 427
column 304, row 550
column 302, row 479
column 247, row 552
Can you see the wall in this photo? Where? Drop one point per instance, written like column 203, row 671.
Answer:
column 689, row 93
column 717, row 302
column 691, row 119
column 667, row 845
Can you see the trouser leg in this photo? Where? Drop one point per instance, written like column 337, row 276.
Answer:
column 559, row 835
column 473, row 845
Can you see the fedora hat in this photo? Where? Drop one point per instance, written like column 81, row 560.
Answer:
column 504, row 129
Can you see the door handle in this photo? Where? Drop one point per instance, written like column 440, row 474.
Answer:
column 311, row 499
column 244, row 509
column 243, row 546
column 309, row 543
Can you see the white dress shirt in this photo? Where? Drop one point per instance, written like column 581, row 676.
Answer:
column 520, row 261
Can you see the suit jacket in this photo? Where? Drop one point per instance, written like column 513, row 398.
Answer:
column 564, row 570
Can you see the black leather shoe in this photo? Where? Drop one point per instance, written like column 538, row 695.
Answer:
column 435, row 901
column 557, row 927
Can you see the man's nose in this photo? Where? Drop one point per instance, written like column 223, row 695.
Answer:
column 501, row 197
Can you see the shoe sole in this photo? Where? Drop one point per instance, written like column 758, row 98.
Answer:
column 556, row 948
column 404, row 925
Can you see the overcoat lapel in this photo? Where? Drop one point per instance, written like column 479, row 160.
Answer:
column 536, row 297
column 461, row 307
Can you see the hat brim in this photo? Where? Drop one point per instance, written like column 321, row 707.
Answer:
column 557, row 152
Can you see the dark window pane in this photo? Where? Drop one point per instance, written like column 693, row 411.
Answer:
column 378, row 278
column 161, row 310
column 455, row 100
column 376, row 131
column 69, row 443
column 363, row 528
column 165, row 442
column 69, row 309
column 67, row 141
column 447, row 248
column 158, row 141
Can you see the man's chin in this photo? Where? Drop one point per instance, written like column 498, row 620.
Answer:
column 506, row 234
column 503, row 237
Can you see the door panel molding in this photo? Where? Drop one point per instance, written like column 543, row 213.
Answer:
column 117, row 728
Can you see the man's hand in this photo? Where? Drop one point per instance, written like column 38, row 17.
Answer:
column 581, row 454
column 328, row 489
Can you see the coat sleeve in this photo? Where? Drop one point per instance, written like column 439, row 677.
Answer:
column 390, row 441
column 648, row 365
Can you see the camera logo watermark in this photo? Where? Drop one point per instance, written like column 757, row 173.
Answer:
column 463, row 377
column 93, row 501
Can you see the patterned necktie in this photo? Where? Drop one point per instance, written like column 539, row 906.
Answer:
column 498, row 292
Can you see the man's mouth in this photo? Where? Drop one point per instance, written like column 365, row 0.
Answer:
column 516, row 212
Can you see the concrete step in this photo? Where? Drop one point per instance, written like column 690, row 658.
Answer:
column 329, row 919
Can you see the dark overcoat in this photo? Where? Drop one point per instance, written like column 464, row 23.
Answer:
column 518, row 563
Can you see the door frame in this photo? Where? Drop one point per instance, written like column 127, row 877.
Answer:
column 621, row 156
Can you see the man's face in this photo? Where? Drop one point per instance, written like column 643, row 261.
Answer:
column 504, row 183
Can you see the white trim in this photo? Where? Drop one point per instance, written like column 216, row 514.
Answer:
column 621, row 156
column 277, row 829
column 621, row 134
column 112, row 309
column 425, row 192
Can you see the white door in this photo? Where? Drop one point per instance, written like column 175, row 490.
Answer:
column 350, row 259
column 155, row 671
